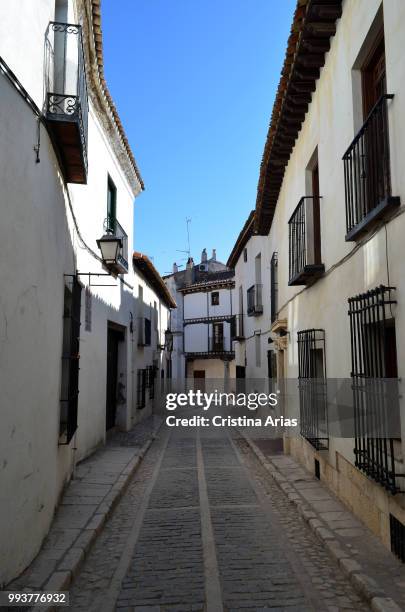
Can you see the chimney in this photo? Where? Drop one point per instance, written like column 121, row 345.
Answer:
column 175, row 268
column 204, row 256
column 214, row 255
column 190, row 271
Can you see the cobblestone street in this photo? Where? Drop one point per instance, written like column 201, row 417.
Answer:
column 203, row 526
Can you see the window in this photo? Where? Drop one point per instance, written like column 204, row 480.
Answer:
column 367, row 160
column 312, row 387
column 140, row 388
column 111, row 206
column 376, row 399
column 245, row 255
column 150, row 380
column 217, row 337
column 70, row 361
column 397, row 532
column 274, row 286
column 258, row 350
column 215, row 298
column 254, row 300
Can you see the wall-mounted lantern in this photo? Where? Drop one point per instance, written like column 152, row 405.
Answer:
column 168, row 340
column 109, row 246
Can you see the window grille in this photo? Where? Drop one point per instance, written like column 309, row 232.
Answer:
column 376, row 400
column 274, row 286
column 397, row 532
column 141, row 388
column 70, row 361
column 312, row 387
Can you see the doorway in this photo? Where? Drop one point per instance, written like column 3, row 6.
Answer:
column 114, row 337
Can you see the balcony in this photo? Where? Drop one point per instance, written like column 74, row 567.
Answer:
column 304, row 243
column 144, row 331
column 237, row 328
column 254, row 300
column 218, row 348
column 367, row 173
column 66, row 103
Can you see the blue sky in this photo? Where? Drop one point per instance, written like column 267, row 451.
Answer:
column 194, row 83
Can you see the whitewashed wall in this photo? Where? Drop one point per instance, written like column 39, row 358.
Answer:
column 40, row 246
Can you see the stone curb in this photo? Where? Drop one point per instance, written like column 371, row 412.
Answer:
column 69, row 566
column 365, row 586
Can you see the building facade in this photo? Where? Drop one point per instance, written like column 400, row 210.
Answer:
column 329, row 207
column 68, row 182
column 202, row 330
column 152, row 355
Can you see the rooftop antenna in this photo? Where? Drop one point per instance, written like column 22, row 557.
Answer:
column 188, row 250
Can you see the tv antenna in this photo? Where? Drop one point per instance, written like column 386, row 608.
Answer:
column 188, row 251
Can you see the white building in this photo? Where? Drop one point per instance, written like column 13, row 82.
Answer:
column 67, row 177
column 202, row 343
column 152, row 352
column 336, row 227
column 254, row 267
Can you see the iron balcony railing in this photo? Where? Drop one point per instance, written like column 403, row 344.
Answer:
column 367, row 172
column 66, row 100
column 217, row 344
column 304, row 242
column 254, row 300
column 111, row 226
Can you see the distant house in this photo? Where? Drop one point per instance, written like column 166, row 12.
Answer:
column 202, row 329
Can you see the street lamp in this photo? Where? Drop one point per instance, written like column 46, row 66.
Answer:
column 109, row 246
column 168, row 340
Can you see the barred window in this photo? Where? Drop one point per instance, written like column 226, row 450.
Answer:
column 376, row 399
column 141, row 388
column 312, row 387
column 70, row 361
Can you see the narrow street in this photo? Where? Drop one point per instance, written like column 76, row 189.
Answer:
column 203, row 526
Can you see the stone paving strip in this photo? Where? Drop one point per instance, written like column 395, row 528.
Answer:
column 87, row 502
column 372, row 569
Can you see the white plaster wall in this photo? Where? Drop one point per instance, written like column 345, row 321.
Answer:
column 40, row 246
column 331, row 124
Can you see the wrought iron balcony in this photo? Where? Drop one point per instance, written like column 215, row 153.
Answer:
column 144, row 331
column 66, row 102
column 254, row 300
column 237, row 328
column 367, row 173
column 304, row 243
column 218, row 348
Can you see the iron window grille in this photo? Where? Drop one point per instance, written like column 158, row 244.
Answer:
column 150, row 381
column 70, row 361
column 397, row 533
column 304, row 244
column 367, row 172
column 312, row 387
column 376, row 400
column 66, row 102
column 273, row 286
column 254, row 300
column 141, row 388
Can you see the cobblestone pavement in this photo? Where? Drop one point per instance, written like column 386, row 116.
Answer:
column 203, row 526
